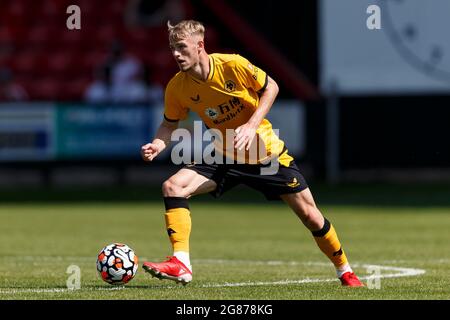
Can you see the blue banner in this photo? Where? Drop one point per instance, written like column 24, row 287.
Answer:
column 85, row 131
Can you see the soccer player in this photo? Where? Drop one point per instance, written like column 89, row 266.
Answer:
column 228, row 92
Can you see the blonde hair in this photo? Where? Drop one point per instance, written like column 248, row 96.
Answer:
column 185, row 29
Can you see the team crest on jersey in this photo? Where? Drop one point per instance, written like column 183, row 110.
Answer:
column 230, row 86
column 196, row 99
column 211, row 113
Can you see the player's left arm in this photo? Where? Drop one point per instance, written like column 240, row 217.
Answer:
column 246, row 133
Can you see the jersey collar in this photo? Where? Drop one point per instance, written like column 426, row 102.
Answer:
column 212, row 67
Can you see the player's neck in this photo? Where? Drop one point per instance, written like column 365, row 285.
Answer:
column 201, row 70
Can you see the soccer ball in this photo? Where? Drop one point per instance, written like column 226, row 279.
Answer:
column 117, row 264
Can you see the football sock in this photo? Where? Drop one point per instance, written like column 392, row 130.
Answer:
column 341, row 270
column 183, row 257
column 178, row 225
column 327, row 240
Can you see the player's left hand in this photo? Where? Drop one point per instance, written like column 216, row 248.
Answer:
column 244, row 136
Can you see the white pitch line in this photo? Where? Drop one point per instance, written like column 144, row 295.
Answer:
column 399, row 272
column 266, row 283
column 403, row 272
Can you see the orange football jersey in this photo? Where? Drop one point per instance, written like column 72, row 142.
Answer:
column 226, row 100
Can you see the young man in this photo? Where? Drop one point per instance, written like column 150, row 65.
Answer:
column 228, row 93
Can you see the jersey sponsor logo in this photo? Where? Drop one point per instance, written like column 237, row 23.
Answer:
column 229, row 110
column 229, row 116
column 212, row 113
column 230, row 86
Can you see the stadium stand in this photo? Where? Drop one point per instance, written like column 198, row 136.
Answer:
column 54, row 63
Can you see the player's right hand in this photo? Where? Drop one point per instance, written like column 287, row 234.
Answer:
column 149, row 151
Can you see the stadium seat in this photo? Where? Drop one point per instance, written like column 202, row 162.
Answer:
column 93, row 59
column 40, row 35
column 6, row 34
column 104, row 35
column 73, row 90
column 14, row 12
column 59, row 62
column 71, row 38
column 55, row 63
column 24, row 62
column 44, row 89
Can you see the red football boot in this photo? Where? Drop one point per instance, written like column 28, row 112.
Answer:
column 350, row 279
column 172, row 269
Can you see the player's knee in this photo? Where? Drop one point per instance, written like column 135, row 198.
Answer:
column 170, row 188
column 311, row 217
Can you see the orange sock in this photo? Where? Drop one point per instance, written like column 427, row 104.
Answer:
column 328, row 242
column 178, row 222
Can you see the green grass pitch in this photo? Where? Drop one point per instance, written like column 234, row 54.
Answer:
column 240, row 250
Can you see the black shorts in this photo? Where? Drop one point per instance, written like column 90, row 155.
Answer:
column 286, row 180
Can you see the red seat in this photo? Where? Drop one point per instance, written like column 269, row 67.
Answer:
column 73, row 90
column 18, row 13
column 5, row 60
column 53, row 62
column 44, row 89
column 93, row 59
column 70, row 38
column 158, row 36
column 106, row 34
column 59, row 62
column 15, row 10
column 137, row 36
column 163, row 59
column 40, row 35
column 88, row 6
column 24, row 62
column 116, row 9
column 6, row 35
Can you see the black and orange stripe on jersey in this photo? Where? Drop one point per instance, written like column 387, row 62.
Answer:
column 226, row 100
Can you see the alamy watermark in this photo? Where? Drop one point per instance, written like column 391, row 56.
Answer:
column 374, row 280
column 73, row 22
column 221, row 149
column 74, row 280
column 373, row 22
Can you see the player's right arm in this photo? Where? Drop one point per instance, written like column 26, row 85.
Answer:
column 174, row 111
column 162, row 139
